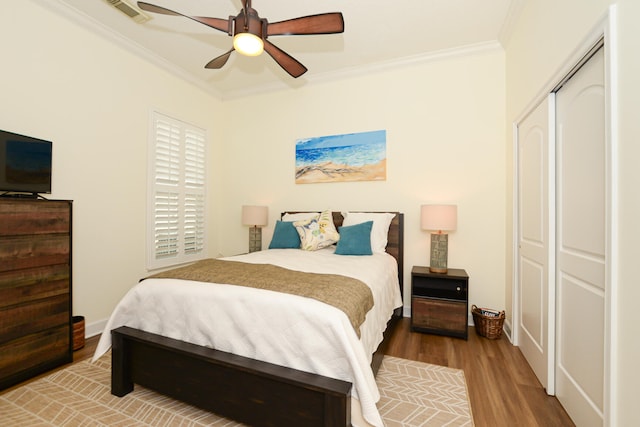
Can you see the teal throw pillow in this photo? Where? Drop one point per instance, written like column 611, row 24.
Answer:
column 355, row 239
column 285, row 236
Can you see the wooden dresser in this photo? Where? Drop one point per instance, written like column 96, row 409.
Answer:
column 35, row 287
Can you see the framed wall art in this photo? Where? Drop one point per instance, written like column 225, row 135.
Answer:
column 339, row 158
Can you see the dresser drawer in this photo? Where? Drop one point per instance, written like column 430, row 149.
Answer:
column 35, row 353
column 20, row 252
column 26, row 217
column 25, row 319
column 32, row 284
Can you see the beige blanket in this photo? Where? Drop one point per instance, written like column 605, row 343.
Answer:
column 350, row 295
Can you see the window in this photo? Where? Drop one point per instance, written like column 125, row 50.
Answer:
column 176, row 190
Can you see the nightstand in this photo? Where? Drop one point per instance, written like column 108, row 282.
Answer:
column 440, row 302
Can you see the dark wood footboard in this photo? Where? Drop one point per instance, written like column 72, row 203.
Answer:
column 246, row 390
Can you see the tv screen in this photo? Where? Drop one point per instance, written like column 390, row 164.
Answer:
column 25, row 164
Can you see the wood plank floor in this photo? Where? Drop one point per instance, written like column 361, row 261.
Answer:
column 502, row 387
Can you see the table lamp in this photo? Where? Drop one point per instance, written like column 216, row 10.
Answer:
column 255, row 217
column 439, row 219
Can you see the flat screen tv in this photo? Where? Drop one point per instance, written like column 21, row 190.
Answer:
column 25, row 164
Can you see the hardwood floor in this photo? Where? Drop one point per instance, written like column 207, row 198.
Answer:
column 502, row 387
column 87, row 351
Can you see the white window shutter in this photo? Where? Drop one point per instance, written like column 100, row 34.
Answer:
column 166, row 224
column 194, row 223
column 194, row 159
column 167, row 153
column 177, row 192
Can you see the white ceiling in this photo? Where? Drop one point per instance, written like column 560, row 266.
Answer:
column 378, row 33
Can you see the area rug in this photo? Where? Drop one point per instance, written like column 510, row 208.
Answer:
column 412, row 394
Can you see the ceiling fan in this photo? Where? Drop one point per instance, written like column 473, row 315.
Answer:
column 250, row 33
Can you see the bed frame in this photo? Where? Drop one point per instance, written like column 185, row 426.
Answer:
column 243, row 389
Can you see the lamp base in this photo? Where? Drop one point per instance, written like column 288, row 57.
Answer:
column 439, row 252
column 255, row 239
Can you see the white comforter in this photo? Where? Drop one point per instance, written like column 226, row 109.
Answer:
column 284, row 329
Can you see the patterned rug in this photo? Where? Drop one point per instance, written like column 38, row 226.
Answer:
column 412, row 394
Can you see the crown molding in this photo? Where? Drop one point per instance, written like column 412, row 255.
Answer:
column 357, row 71
column 510, row 20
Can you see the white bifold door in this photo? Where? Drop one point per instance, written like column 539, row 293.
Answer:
column 563, row 193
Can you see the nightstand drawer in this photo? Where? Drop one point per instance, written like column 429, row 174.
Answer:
column 439, row 316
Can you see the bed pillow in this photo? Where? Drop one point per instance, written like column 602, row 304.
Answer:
column 285, row 236
column 293, row 217
column 317, row 233
column 355, row 239
column 380, row 230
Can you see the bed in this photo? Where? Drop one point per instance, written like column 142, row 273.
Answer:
column 306, row 367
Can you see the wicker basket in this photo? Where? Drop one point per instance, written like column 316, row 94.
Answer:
column 487, row 326
column 78, row 332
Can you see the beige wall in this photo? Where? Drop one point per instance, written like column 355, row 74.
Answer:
column 547, row 35
column 93, row 100
column 445, row 144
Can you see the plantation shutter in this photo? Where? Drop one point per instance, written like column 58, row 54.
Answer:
column 177, row 193
column 194, row 195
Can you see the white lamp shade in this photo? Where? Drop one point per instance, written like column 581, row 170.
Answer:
column 255, row 215
column 439, row 217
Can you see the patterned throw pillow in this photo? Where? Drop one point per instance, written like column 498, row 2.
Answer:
column 317, row 233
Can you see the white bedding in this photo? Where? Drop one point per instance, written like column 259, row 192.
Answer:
column 284, row 329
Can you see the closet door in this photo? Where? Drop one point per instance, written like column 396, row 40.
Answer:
column 534, row 243
column 581, row 243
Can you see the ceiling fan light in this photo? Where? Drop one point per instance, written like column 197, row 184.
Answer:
column 248, row 44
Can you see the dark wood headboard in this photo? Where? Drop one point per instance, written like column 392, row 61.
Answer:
column 395, row 239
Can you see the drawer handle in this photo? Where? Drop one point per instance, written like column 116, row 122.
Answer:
column 458, row 289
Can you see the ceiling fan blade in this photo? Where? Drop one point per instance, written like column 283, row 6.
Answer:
column 286, row 61
column 157, row 9
column 219, row 62
column 325, row 23
column 216, row 23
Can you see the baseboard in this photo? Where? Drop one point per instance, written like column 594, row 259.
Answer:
column 506, row 328
column 94, row 328
column 406, row 311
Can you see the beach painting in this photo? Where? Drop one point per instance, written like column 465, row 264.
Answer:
column 339, row 158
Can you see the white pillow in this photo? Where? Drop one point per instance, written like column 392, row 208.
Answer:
column 380, row 229
column 292, row 217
